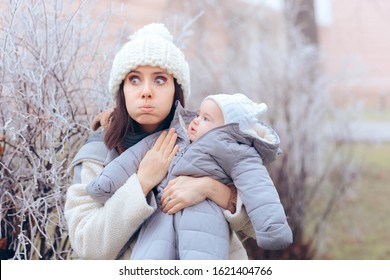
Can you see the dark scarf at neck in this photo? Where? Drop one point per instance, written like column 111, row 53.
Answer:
column 132, row 138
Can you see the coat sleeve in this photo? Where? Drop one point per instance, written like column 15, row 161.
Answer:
column 115, row 174
column 259, row 195
column 100, row 231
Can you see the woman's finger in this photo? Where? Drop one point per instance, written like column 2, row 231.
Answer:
column 160, row 140
column 169, row 204
column 164, row 202
column 171, row 147
column 169, row 137
column 175, row 208
column 171, row 183
column 167, row 190
column 172, row 154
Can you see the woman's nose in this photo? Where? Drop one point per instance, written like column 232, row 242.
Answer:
column 146, row 91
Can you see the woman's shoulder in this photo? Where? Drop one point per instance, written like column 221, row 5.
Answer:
column 94, row 150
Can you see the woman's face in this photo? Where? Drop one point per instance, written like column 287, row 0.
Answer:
column 149, row 93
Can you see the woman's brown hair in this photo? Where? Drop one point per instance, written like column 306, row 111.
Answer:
column 121, row 123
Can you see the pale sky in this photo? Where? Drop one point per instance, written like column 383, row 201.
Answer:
column 323, row 9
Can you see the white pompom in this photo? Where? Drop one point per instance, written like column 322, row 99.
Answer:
column 154, row 29
column 260, row 109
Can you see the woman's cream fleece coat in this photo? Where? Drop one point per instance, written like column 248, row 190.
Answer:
column 100, row 231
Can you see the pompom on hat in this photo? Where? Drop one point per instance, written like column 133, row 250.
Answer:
column 151, row 45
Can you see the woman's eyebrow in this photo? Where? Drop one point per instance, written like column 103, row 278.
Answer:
column 160, row 72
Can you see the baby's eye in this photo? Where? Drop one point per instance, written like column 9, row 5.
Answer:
column 205, row 119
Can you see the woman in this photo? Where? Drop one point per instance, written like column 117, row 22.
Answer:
column 149, row 74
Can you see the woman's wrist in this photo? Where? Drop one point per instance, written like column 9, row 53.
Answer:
column 145, row 186
column 217, row 192
column 232, row 200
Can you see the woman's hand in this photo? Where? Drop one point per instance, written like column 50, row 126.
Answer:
column 186, row 191
column 154, row 166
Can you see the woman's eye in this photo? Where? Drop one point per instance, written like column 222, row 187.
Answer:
column 134, row 80
column 160, row 80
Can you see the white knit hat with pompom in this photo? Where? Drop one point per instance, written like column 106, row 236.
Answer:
column 151, row 45
column 236, row 107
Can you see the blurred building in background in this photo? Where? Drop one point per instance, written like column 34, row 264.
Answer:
column 352, row 35
column 355, row 38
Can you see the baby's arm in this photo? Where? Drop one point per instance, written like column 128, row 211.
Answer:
column 260, row 197
column 115, row 174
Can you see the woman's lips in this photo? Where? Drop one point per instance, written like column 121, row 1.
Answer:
column 146, row 109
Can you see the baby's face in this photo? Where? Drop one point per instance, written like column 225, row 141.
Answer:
column 209, row 116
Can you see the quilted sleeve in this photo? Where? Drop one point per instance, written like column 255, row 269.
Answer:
column 259, row 196
column 115, row 174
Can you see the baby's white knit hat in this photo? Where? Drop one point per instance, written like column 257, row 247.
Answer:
column 238, row 107
column 151, row 45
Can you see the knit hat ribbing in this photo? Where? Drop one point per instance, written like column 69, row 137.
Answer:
column 151, row 45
